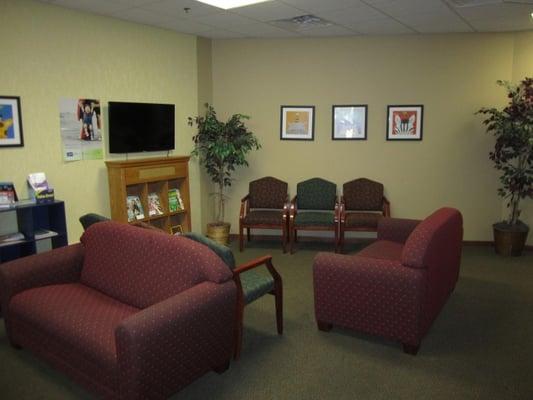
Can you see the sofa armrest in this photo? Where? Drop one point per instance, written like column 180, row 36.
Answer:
column 365, row 293
column 396, row 229
column 61, row 265
column 167, row 345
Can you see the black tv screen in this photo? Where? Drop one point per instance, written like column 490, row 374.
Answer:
column 137, row 127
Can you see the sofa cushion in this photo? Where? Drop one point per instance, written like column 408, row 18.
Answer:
column 384, row 249
column 362, row 220
column 264, row 217
column 82, row 319
column 141, row 267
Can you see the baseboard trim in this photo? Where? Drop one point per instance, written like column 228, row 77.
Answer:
column 266, row 238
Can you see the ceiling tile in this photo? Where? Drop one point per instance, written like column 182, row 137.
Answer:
column 381, row 26
column 185, row 26
column 224, row 20
column 314, row 6
column 496, row 11
column 261, row 29
column 405, row 7
column 503, row 24
column 269, row 11
column 332, row 30
column 132, row 3
column 103, row 7
column 221, row 34
column 142, row 16
column 352, row 15
column 177, row 8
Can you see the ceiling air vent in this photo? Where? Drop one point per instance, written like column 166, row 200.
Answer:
column 301, row 23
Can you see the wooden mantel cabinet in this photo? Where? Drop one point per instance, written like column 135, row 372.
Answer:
column 143, row 178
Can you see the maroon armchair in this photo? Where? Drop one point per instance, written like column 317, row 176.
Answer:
column 128, row 313
column 395, row 287
column 362, row 206
column 266, row 206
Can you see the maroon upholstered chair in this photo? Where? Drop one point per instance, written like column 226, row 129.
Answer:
column 395, row 287
column 362, row 206
column 266, row 206
column 128, row 313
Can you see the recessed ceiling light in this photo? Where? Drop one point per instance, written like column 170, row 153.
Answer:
column 227, row 4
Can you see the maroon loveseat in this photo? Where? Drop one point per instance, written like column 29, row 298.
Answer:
column 128, row 313
column 395, row 287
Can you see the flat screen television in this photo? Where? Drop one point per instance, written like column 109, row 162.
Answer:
column 138, row 127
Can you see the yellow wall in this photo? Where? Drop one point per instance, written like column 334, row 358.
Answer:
column 451, row 75
column 51, row 52
column 205, row 95
column 522, row 67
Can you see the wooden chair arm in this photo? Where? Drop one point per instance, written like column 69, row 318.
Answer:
column 337, row 209
column 386, row 207
column 286, row 208
column 252, row 264
column 244, row 206
column 265, row 260
column 342, row 210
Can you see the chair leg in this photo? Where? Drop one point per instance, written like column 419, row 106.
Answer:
column 248, row 234
column 296, row 236
column 336, row 241
column 278, row 293
column 324, row 326
column 284, row 238
column 292, row 233
column 410, row 349
column 241, row 244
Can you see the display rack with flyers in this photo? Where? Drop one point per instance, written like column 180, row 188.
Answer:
column 152, row 190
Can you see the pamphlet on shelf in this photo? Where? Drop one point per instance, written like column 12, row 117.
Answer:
column 154, row 204
column 11, row 238
column 134, row 208
column 175, row 202
column 44, row 233
column 8, row 195
column 39, row 189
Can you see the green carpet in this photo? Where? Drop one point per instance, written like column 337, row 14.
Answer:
column 480, row 347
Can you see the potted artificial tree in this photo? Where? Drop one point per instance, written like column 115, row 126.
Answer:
column 221, row 147
column 513, row 156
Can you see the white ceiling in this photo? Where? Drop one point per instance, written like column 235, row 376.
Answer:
column 347, row 17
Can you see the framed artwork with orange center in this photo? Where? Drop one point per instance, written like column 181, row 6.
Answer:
column 405, row 122
column 297, row 123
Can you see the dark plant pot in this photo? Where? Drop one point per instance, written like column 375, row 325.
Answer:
column 509, row 240
column 219, row 232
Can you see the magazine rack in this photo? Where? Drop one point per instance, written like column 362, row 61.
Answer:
column 36, row 222
column 137, row 181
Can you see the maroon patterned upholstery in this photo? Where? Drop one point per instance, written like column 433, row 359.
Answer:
column 362, row 207
column 260, row 217
column 397, row 286
column 265, row 207
column 362, row 220
column 164, row 316
column 363, row 195
column 268, row 192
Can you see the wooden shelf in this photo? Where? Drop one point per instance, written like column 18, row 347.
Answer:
column 144, row 177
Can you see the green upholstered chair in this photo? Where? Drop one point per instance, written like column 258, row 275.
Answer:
column 362, row 206
column 87, row 220
column 314, row 208
column 266, row 206
column 251, row 285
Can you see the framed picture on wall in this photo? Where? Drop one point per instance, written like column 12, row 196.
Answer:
column 297, row 123
column 349, row 122
column 10, row 122
column 405, row 122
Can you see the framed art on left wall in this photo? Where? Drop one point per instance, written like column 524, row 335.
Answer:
column 10, row 122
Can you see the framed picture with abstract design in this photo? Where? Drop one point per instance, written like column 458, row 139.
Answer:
column 349, row 122
column 10, row 122
column 297, row 123
column 405, row 122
